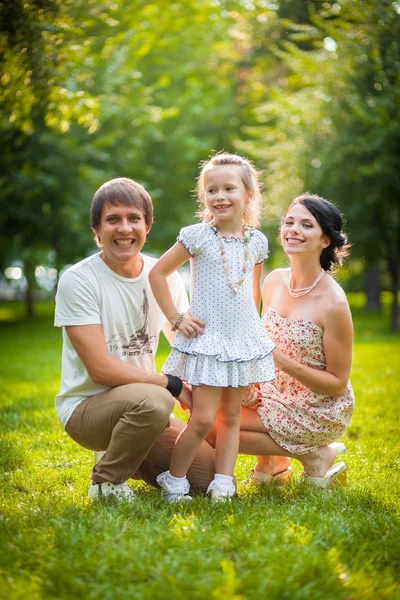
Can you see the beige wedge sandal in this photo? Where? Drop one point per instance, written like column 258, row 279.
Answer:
column 260, row 478
column 336, row 474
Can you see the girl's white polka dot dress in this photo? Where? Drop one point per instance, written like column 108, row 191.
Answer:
column 234, row 349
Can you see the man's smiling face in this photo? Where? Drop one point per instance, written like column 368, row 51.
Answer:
column 122, row 233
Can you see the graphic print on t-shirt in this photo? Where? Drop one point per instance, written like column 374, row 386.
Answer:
column 139, row 342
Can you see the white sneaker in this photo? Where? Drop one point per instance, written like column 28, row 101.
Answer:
column 120, row 491
column 173, row 491
column 219, row 490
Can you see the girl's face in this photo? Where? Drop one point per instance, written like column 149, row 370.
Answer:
column 301, row 232
column 226, row 195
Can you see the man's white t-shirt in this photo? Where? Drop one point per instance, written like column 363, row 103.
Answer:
column 90, row 293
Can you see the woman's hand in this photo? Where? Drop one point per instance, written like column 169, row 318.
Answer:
column 279, row 358
column 251, row 396
column 191, row 326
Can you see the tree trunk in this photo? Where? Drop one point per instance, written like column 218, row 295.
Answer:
column 29, row 269
column 372, row 288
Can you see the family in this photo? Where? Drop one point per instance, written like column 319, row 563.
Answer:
column 275, row 387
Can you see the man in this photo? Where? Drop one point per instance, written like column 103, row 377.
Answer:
column 111, row 398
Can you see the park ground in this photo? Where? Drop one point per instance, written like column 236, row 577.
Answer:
column 283, row 543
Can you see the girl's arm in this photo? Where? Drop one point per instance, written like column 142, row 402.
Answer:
column 257, row 272
column 338, row 342
column 250, row 397
column 167, row 264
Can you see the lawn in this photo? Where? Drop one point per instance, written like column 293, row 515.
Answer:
column 286, row 543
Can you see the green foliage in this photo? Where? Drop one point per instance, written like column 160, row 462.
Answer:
column 167, row 100
column 90, row 91
column 331, row 124
column 39, row 162
column 36, row 43
column 145, row 90
column 291, row 542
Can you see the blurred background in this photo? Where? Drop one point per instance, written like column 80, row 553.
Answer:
column 310, row 91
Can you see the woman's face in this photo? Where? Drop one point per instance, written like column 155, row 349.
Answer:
column 301, row 232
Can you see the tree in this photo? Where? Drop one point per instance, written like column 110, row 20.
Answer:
column 39, row 163
column 144, row 90
column 167, row 82
column 332, row 123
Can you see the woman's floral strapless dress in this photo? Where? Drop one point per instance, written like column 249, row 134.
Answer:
column 298, row 419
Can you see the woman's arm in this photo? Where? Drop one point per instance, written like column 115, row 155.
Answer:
column 167, row 264
column 338, row 342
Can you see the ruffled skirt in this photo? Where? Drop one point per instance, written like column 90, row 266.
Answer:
column 211, row 360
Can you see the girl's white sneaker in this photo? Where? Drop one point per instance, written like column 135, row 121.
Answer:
column 219, row 490
column 174, row 491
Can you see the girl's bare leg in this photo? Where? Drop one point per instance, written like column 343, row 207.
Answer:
column 250, row 422
column 206, row 400
column 272, row 465
column 228, row 429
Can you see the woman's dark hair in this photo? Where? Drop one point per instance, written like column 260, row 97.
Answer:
column 331, row 222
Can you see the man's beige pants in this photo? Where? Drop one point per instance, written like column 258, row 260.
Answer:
column 130, row 422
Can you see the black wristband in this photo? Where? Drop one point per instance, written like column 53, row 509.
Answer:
column 174, row 385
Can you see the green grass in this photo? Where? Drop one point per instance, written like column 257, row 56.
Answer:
column 286, row 543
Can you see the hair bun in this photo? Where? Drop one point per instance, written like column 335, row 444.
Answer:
column 331, row 222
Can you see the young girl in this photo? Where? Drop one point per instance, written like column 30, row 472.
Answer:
column 221, row 346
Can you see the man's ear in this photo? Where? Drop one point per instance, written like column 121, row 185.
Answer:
column 97, row 237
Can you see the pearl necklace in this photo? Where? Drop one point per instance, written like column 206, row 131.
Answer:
column 303, row 291
column 246, row 237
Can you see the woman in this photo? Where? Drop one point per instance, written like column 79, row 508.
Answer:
column 306, row 314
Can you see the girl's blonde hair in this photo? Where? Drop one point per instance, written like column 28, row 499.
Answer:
column 250, row 178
